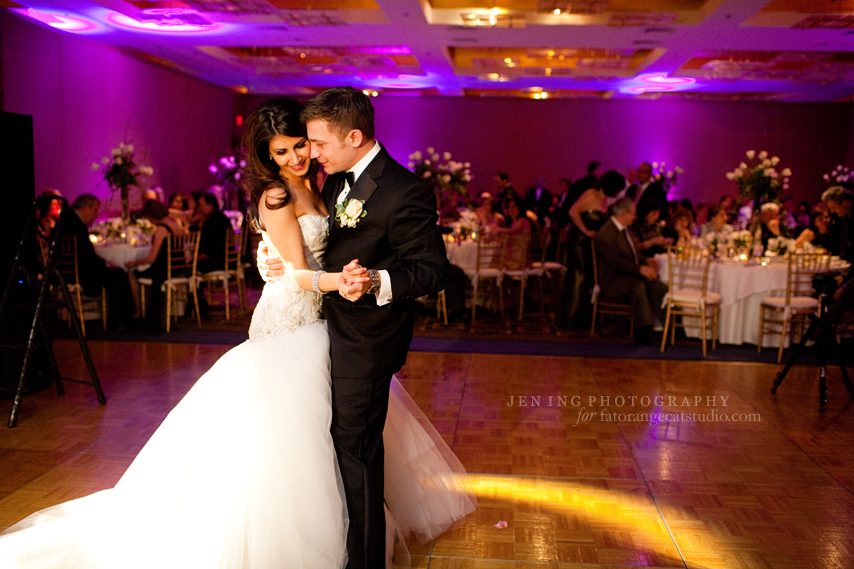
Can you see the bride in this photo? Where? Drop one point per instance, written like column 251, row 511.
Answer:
column 242, row 473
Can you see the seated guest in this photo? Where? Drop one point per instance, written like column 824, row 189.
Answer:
column 678, row 228
column 770, row 223
column 93, row 271
column 516, row 222
column 701, row 217
column 838, row 201
column 717, row 223
column 484, row 212
column 48, row 210
column 213, row 225
column 820, row 232
column 179, row 212
column 157, row 260
column 647, row 229
column 624, row 272
column 803, row 217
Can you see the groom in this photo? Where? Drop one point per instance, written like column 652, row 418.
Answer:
column 384, row 216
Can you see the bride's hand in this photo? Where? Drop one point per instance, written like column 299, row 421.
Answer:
column 354, row 272
column 269, row 267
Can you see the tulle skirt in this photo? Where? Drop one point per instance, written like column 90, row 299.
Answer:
column 242, row 474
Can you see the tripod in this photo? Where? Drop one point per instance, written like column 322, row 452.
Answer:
column 39, row 302
column 825, row 342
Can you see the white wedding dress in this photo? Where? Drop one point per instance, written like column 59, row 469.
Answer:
column 242, row 473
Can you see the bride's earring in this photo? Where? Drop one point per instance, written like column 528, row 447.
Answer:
column 271, row 157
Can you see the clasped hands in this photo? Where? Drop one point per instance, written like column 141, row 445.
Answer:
column 353, row 282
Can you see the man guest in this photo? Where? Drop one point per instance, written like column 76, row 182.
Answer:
column 624, row 272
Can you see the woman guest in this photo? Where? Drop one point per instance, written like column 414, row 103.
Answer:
column 717, row 224
column 485, row 215
column 820, row 232
column 588, row 214
column 647, row 229
column 179, row 212
column 679, row 227
column 157, row 214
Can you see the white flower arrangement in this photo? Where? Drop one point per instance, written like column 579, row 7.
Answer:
column 467, row 224
column 840, row 176
column 445, row 175
column 665, row 178
column 759, row 179
column 740, row 239
column 121, row 172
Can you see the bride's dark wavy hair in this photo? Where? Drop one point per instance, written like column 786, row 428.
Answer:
column 275, row 117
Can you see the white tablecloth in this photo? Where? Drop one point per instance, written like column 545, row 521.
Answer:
column 742, row 287
column 463, row 254
column 120, row 254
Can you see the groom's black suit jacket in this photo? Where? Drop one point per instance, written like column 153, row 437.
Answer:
column 398, row 234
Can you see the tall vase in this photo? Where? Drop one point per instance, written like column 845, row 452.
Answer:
column 125, row 205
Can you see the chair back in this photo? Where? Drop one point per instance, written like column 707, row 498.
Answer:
column 490, row 251
column 539, row 245
column 67, row 263
column 517, row 254
column 688, row 269
column 232, row 250
column 802, row 267
column 183, row 253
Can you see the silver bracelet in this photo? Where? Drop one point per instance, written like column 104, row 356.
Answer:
column 315, row 282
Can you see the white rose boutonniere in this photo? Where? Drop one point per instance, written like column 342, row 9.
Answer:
column 349, row 212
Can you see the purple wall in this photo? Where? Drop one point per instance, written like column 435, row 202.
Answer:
column 557, row 138
column 85, row 98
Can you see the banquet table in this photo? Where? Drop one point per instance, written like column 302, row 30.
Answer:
column 463, row 254
column 120, row 254
column 742, row 286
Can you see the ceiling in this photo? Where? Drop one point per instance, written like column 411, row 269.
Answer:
column 778, row 50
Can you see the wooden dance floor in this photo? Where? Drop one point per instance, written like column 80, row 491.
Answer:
column 728, row 476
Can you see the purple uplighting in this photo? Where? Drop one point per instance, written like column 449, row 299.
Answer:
column 59, row 21
column 183, row 28
column 656, row 83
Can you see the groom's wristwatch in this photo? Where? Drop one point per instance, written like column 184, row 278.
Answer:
column 376, row 282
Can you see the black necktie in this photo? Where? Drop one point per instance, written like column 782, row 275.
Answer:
column 351, row 178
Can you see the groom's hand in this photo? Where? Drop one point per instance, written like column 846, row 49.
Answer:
column 354, row 281
column 268, row 266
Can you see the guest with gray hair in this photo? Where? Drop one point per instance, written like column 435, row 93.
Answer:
column 838, row 200
column 623, row 271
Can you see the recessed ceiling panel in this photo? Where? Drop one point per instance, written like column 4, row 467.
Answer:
column 548, row 62
column 796, row 66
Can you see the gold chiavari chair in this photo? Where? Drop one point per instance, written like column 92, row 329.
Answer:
column 612, row 306
column 688, row 279
column 232, row 270
column 182, row 256
column 69, row 267
column 490, row 260
column 796, row 307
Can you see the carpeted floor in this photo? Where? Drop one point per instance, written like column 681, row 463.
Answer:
column 534, row 335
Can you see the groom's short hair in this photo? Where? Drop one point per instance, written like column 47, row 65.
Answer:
column 343, row 109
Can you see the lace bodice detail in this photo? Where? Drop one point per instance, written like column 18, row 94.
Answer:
column 285, row 307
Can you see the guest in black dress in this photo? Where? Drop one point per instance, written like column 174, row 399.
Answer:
column 820, row 232
column 589, row 213
column 647, row 229
column 157, row 260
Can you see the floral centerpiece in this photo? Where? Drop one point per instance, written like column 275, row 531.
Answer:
column 779, row 246
column 122, row 172
column 841, row 176
column 759, row 182
column 228, row 171
column 449, row 178
column 467, row 225
column 740, row 239
column 665, row 178
column 117, row 228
